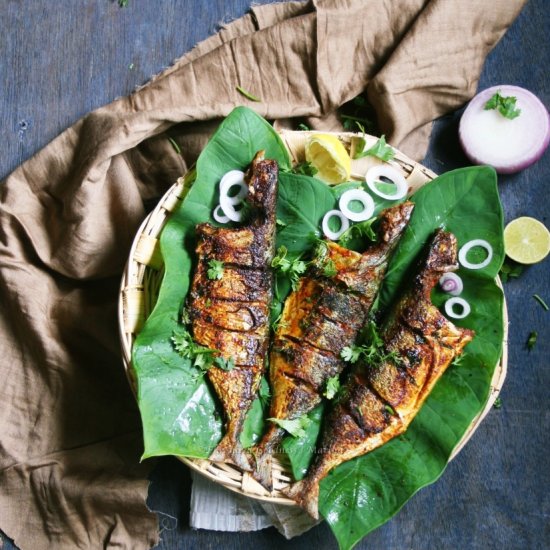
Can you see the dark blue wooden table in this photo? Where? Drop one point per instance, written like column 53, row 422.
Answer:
column 61, row 59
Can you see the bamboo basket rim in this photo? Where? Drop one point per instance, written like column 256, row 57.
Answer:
column 132, row 308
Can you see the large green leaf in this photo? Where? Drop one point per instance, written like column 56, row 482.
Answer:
column 179, row 411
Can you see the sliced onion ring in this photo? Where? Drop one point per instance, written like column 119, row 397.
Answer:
column 356, row 195
column 373, row 176
column 229, row 209
column 219, row 216
column 468, row 246
column 449, row 308
column 231, row 179
column 451, row 283
column 344, row 224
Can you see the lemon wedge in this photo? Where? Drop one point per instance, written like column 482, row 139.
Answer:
column 327, row 154
column 526, row 240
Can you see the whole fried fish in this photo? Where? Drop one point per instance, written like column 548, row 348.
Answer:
column 321, row 317
column 378, row 402
column 231, row 313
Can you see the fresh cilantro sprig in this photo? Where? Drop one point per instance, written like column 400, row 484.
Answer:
column 506, row 106
column 202, row 357
column 293, row 269
column 498, row 403
column 215, row 270
column 332, row 387
column 373, row 352
column 305, row 169
column 361, row 229
column 323, row 261
column 295, row 427
column 380, row 149
column 510, row 270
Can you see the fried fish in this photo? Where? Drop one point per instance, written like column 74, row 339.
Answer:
column 321, row 317
column 230, row 313
column 378, row 402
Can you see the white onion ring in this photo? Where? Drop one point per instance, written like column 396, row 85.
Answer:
column 451, row 302
column 334, row 235
column 373, row 175
column 468, row 246
column 451, row 283
column 219, row 216
column 229, row 209
column 229, row 180
column 356, row 195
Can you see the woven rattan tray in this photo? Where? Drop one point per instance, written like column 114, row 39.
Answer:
column 144, row 272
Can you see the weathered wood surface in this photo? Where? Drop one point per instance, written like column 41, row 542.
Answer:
column 61, row 59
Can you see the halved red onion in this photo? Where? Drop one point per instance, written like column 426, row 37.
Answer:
column 468, row 246
column 452, row 302
column 231, row 179
column 509, row 145
column 344, row 224
column 219, row 216
column 383, row 170
column 356, row 195
column 451, row 283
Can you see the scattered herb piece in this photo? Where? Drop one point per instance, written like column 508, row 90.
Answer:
column 510, row 270
column 323, row 261
column 380, row 150
column 303, row 127
column 532, row 340
column 280, row 223
column 332, row 387
column 361, row 229
column 175, row 145
column 329, row 269
column 183, row 343
column 246, row 94
column 131, row 66
column 293, row 269
column 215, row 270
column 543, row 304
column 224, row 364
column 498, row 403
column 123, row 3
column 264, row 393
column 305, row 169
column 389, row 409
column 506, row 106
column 295, row 427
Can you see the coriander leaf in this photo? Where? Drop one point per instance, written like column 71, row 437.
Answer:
column 123, row 3
column 532, row 340
column 293, row 269
column 303, row 127
column 305, row 169
column 246, row 94
column 350, row 353
column 506, row 106
column 183, row 343
column 215, row 270
column 329, row 269
column 498, row 403
column 380, row 150
column 510, row 270
column 322, row 260
column 543, row 304
column 280, row 223
column 332, row 387
column 264, row 392
column 295, row 427
column 389, row 409
column 361, row 229
column 224, row 364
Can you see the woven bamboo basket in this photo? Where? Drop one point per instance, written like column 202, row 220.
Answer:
column 143, row 276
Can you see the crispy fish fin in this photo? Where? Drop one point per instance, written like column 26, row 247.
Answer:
column 231, row 450
column 306, row 494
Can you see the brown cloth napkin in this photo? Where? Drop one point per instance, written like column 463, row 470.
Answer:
column 70, row 436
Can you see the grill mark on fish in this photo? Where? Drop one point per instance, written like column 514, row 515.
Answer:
column 231, row 314
column 322, row 317
column 425, row 343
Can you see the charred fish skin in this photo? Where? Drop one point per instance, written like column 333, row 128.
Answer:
column 321, row 317
column 379, row 402
column 231, row 314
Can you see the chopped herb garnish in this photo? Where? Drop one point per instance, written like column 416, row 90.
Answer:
column 292, row 268
column 305, row 169
column 510, row 270
column 322, row 260
column 361, row 229
column 506, row 106
column 131, row 66
column 264, row 393
column 280, row 223
column 183, row 343
column 380, row 150
column 123, row 3
column 175, row 145
column 498, row 403
column 389, row 409
column 532, row 340
column 303, row 127
column 332, row 387
column 215, row 270
column 246, row 94
column 329, row 269
column 224, row 364
column 543, row 304
column 295, row 427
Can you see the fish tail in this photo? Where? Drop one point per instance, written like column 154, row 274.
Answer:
column 306, row 494
column 231, row 450
column 263, row 471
